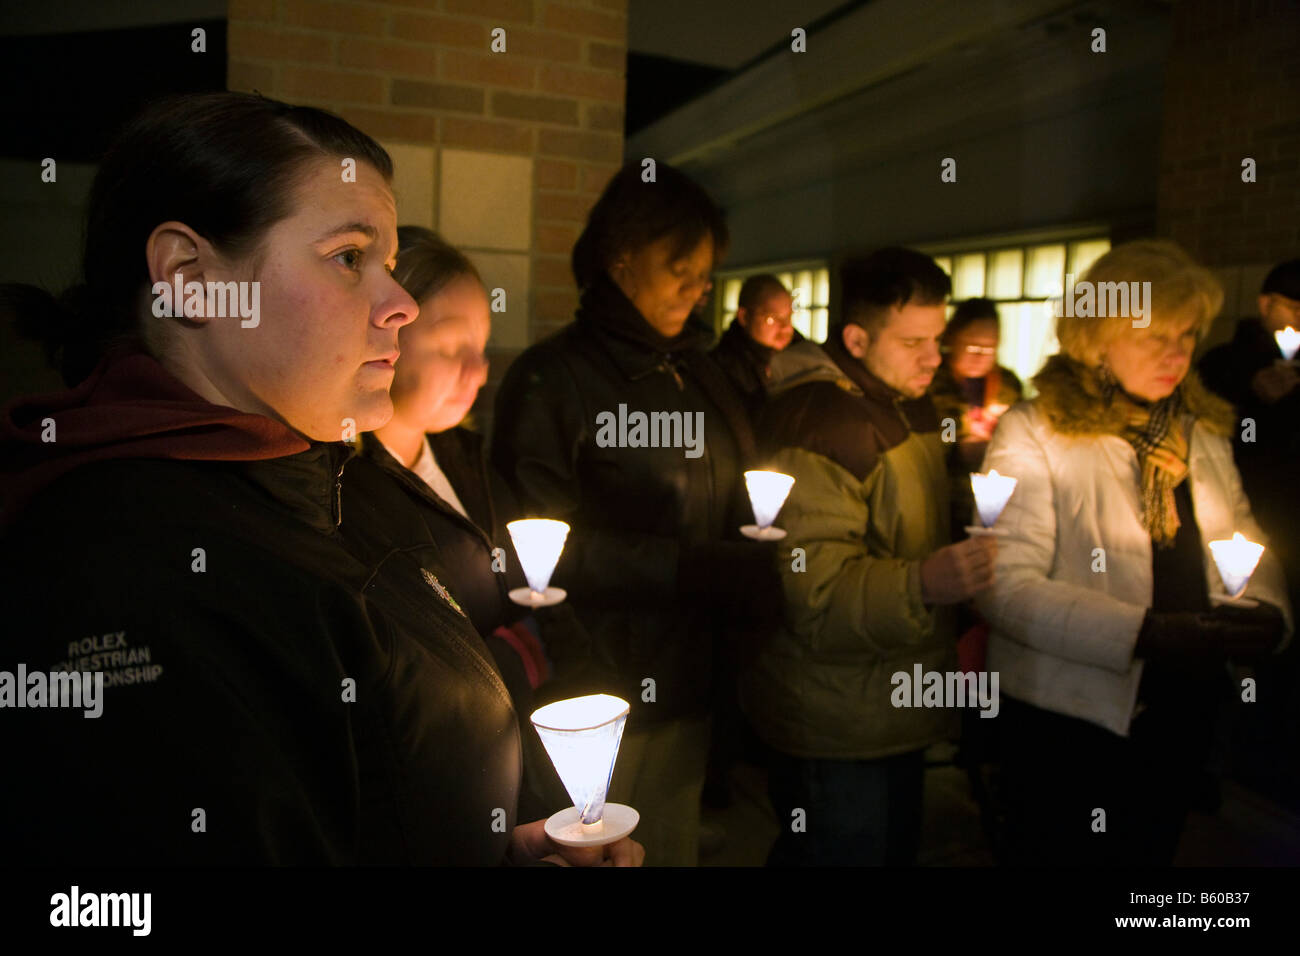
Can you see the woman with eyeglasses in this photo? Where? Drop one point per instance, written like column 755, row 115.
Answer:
column 973, row 390
column 1112, row 648
column 655, row 566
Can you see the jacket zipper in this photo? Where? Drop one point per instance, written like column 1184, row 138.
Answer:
column 666, row 366
column 338, row 496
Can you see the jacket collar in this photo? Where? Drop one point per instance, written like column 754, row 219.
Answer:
column 633, row 344
column 373, row 449
column 853, row 369
column 737, row 337
column 308, row 484
column 802, row 363
column 1070, row 396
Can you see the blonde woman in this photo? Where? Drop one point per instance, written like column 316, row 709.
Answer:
column 1111, row 655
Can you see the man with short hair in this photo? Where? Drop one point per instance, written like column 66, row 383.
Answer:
column 763, row 326
column 870, row 576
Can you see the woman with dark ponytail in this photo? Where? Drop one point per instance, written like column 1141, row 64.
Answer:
column 189, row 532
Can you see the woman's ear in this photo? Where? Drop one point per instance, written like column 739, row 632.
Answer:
column 621, row 274
column 176, row 256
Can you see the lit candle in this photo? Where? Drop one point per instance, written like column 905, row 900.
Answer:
column 538, row 542
column 767, row 493
column 992, row 492
column 1288, row 340
column 581, row 736
column 1236, row 559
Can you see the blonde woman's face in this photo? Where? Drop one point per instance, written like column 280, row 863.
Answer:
column 1151, row 362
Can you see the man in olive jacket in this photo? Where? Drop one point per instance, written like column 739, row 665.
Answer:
column 869, row 577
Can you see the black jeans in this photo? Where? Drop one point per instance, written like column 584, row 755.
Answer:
column 1058, row 771
column 856, row 812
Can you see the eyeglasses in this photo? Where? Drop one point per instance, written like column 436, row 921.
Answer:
column 777, row 320
column 980, row 350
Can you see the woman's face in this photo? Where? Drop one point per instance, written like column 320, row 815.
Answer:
column 974, row 349
column 663, row 288
column 321, row 357
column 442, row 365
column 1151, row 362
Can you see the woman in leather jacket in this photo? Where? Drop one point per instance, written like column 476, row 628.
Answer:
column 189, row 530
column 442, row 466
column 655, row 569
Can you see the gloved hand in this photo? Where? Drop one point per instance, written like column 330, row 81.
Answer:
column 738, row 578
column 1253, row 632
column 1226, row 633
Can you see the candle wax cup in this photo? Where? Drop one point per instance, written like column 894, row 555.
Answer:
column 992, row 492
column 767, row 493
column 539, row 543
column 1236, row 559
column 1288, row 341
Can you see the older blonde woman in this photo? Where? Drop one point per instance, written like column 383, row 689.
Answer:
column 1112, row 657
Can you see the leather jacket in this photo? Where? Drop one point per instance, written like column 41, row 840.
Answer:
column 310, row 689
column 636, row 513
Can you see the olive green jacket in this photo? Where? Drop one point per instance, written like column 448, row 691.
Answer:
column 869, row 503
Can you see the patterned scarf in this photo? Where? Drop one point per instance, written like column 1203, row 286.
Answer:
column 1158, row 433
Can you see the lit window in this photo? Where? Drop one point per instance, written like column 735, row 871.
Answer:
column 968, row 276
column 1021, row 278
column 1046, row 276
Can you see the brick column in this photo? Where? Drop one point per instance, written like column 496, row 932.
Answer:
column 477, row 135
column 1232, row 92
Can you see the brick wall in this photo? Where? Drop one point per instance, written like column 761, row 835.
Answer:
column 1232, row 91
column 504, row 152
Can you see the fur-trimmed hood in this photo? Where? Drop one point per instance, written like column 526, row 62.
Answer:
column 1071, row 398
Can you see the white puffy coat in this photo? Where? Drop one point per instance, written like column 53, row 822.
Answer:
column 1062, row 634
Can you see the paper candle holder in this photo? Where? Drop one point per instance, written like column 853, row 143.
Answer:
column 539, row 543
column 1288, row 342
column 582, row 736
column 1236, row 558
column 992, row 492
column 767, row 493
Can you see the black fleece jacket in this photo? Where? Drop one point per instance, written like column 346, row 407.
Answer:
column 284, row 685
column 638, row 514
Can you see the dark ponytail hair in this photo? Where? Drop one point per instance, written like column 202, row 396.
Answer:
column 225, row 164
column 631, row 213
